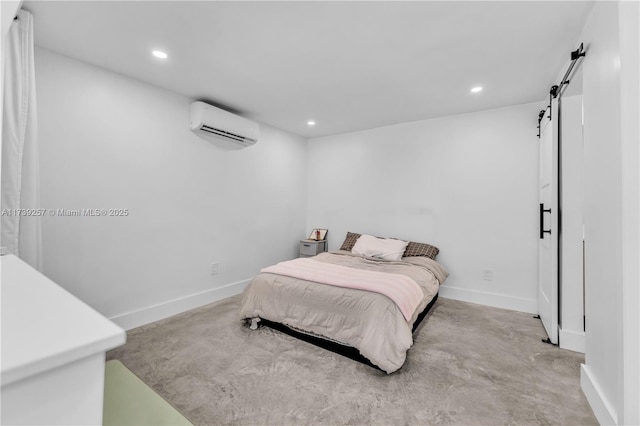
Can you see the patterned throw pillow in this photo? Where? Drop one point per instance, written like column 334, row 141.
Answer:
column 350, row 241
column 421, row 249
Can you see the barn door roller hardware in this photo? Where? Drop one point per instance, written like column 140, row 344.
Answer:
column 557, row 89
column 553, row 92
column 540, row 117
column 575, row 56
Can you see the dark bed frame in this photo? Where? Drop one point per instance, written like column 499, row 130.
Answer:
column 344, row 350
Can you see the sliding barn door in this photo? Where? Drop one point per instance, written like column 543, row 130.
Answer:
column 548, row 242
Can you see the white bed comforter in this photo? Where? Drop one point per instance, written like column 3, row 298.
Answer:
column 368, row 321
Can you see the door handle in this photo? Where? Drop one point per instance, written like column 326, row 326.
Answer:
column 542, row 230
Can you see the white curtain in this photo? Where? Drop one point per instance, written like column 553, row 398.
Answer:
column 20, row 223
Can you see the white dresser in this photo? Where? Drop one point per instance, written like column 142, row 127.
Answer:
column 53, row 351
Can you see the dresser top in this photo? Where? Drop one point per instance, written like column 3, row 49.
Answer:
column 44, row 326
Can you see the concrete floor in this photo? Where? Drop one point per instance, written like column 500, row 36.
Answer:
column 470, row 365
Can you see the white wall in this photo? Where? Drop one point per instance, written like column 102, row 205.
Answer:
column 629, row 15
column 107, row 141
column 571, row 330
column 465, row 183
column 610, row 374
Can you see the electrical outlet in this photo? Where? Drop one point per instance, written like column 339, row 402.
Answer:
column 488, row 274
column 215, row 268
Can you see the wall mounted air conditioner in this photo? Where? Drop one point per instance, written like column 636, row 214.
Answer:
column 209, row 121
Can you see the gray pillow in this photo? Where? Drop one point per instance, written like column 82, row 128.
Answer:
column 421, row 249
column 349, row 241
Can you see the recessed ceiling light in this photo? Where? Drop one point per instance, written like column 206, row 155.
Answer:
column 476, row 89
column 311, row 123
column 159, row 54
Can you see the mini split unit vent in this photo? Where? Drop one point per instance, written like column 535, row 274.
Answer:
column 209, row 121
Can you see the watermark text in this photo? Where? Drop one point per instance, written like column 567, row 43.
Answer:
column 66, row 212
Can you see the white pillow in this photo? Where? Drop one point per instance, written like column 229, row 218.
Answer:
column 380, row 248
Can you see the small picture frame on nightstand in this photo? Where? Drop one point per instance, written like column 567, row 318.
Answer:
column 318, row 234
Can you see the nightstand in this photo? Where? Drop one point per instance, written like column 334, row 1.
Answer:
column 310, row 248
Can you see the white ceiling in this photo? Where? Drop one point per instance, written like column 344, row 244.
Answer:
column 347, row 65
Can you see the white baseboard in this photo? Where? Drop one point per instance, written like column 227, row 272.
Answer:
column 601, row 407
column 172, row 307
column 571, row 340
column 490, row 299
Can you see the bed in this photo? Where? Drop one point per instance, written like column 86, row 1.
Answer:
column 347, row 315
